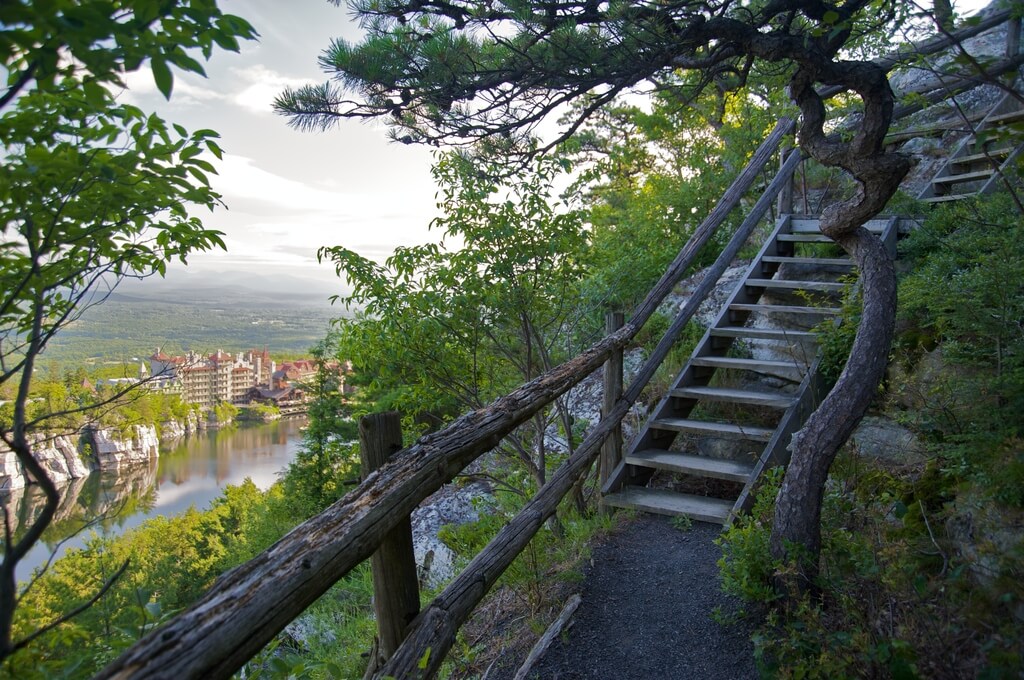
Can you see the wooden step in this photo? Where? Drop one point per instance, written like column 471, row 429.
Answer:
column 947, row 197
column 978, row 157
column 1001, row 118
column 786, row 309
column 808, row 225
column 734, row 396
column 663, row 502
column 789, row 284
column 720, row 430
column 806, row 237
column 687, row 463
column 783, row 334
column 757, row 365
column 822, row 261
column 965, row 177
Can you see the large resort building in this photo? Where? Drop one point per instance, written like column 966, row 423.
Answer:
column 242, row 378
column 213, row 379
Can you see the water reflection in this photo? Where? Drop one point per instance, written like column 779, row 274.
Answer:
column 192, row 472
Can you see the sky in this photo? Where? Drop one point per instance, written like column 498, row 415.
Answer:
column 289, row 193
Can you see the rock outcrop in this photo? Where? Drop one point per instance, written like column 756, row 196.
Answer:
column 111, row 450
column 58, row 454
column 172, row 430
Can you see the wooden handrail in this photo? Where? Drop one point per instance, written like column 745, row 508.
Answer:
column 433, row 631
column 248, row 605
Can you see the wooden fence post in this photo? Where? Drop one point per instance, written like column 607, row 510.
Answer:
column 611, row 450
column 396, row 595
column 785, row 205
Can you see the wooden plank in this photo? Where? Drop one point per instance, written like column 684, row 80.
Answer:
column 1008, row 117
column 947, row 198
column 822, row 261
column 783, row 334
column 662, row 502
column 722, row 430
column 611, row 451
column 792, row 284
column 790, row 369
column 806, row 237
column 553, row 631
column 812, row 225
column 786, row 309
column 979, row 157
column 735, row 396
column 396, row 594
column 964, row 177
column 688, row 463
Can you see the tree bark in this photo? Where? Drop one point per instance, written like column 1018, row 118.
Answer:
column 796, row 532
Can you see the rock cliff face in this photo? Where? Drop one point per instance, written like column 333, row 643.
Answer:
column 111, row 451
column 57, row 454
column 68, row 457
column 170, row 430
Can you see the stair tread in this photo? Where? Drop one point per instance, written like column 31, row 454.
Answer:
column 964, row 177
column 805, row 237
column 760, row 366
column 947, row 197
column 807, row 225
column 1005, row 117
column 762, row 333
column 728, row 430
column 788, row 309
column 754, row 397
column 699, row 466
column 664, row 502
column 830, row 261
column 976, row 157
column 792, row 284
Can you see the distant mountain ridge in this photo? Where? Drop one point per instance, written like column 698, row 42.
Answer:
column 229, row 287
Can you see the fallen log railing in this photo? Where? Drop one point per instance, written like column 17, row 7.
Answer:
column 247, row 606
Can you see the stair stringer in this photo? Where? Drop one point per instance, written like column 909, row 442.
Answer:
column 1003, row 106
column 809, row 396
column 676, row 407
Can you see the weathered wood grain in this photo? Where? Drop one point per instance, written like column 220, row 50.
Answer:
column 396, row 593
column 611, row 452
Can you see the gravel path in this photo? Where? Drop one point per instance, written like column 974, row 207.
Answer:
column 646, row 611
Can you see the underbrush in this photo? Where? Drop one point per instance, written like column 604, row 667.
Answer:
column 531, row 592
column 922, row 561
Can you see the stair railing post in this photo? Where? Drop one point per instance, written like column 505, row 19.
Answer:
column 785, row 205
column 1013, row 37
column 611, row 450
column 396, row 596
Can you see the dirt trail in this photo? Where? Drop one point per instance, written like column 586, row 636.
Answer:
column 647, row 611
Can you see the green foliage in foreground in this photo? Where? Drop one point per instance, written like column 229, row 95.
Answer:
column 173, row 560
column 923, row 559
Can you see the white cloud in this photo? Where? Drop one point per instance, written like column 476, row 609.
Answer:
column 262, row 86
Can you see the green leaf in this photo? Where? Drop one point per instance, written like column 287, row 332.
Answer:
column 163, row 77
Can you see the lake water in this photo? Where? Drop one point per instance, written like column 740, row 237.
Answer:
column 190, row 472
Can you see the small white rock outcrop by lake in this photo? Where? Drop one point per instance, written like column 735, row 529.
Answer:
column 73, row 456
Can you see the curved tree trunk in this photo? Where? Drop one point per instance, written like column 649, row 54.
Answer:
column 796, row 533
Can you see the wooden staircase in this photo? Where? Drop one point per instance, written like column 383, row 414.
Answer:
column 971, row 169
column 726, row 418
